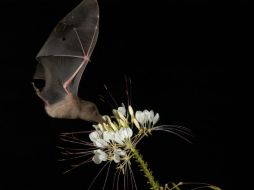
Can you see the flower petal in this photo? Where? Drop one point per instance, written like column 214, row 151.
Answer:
column 122, row 133
column 95, row 135
column 108, row 135
column 140, row 116
column 122, row 110
column 128, row 132
column 117, row 155
column 156, row 118
column 116, row 158
column 131, row 111
column 96, row 159
column 120, row 152
column 100, row 143
column 151, row 116
column 99, row 156
column 147, row 115
column 118, row 138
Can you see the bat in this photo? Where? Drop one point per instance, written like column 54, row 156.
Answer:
column 62, row 61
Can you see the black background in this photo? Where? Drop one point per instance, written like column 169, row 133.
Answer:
column 182, row 58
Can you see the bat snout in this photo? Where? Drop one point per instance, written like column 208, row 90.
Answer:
column 90, row 112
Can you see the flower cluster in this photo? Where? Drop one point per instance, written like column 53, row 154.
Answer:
column 118, row 135
column 115, row 140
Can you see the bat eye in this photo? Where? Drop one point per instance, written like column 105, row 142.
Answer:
column 63, row 38
column 94, row 110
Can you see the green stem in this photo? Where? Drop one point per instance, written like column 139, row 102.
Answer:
column 144, row 168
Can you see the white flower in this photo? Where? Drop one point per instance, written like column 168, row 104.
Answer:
column 147, row 118
column 140, row 116
column 151, row 116
column 95, row 135
column 118, row 153
column 113, row 138
column 119, row 116
column 100, row 143
column 99, row 156
column 96, row 138
column 123, row 134
column 147, row 115
column 122, row 110
column 126, row 132
column 108, row 135
column 156, row 118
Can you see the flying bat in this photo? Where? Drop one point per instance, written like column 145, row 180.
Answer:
column 62, row 61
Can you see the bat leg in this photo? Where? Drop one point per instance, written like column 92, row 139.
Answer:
column 39, row 93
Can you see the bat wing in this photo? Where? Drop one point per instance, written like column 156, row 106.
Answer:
column 65, row 54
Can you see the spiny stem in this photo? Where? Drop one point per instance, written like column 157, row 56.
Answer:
column 144, row 167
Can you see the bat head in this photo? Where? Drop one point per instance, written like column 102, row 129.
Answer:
column 89, row 112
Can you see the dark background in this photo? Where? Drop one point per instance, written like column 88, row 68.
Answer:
column 184, row 59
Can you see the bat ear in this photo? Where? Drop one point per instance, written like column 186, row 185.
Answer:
column 39, row 77
column 38, row 84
